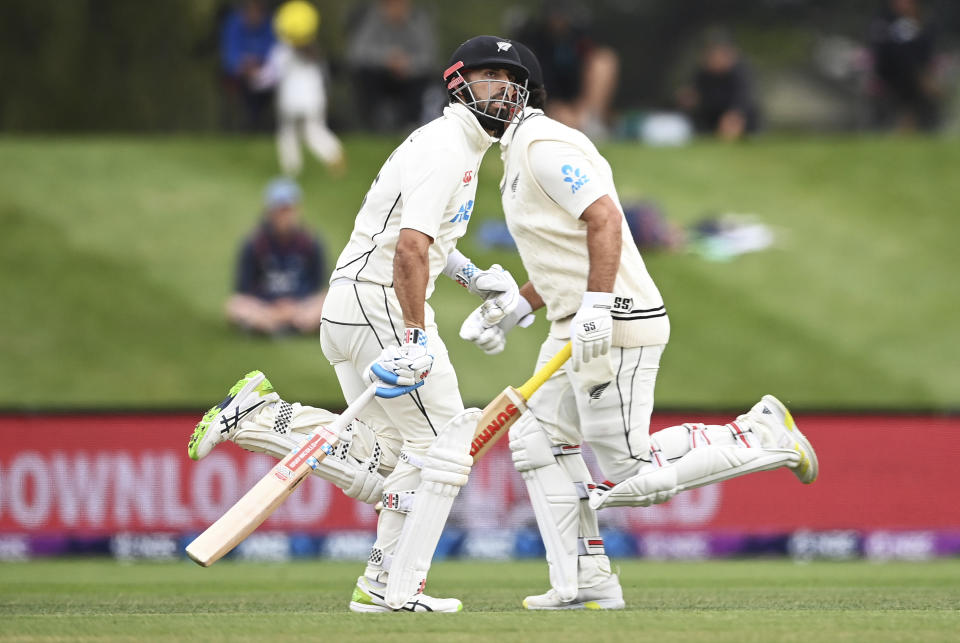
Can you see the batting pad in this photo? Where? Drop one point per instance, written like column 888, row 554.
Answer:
column 446, row 467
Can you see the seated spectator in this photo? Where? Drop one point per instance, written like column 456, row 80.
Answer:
column 246, row 37
column 906, row 90
column 294, row 67
column 281, row 271
column 581, row 75
column 391, row 54
column 720, row 101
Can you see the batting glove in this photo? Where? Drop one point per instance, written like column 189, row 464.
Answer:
column 401, row 369
column 491, row 336
column 494, row 284
column 499, row 292
column 592, row 328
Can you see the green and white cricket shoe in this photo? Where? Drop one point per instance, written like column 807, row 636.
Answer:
column 773, row 414
column 368, row 597
column 251, row 393
column 607, row 595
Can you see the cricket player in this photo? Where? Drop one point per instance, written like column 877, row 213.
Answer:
column 377, row 326
column 562, row 209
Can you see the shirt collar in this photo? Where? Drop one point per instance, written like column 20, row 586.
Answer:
column 471, row 126
column 511, row 130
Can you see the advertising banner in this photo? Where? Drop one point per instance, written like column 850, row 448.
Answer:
column 95, row 475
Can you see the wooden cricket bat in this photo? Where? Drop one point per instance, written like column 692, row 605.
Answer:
column 256, row 505
column 504, row 410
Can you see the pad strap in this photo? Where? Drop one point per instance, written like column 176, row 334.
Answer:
column 411, row 459
column 565, row 449
column 590, row 547
column 740, row 435
column 282, row 418
column 399, row 501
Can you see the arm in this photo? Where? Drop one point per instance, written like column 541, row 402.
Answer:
column 411, row 271
column 604, row 237
column 401, row 369
column 528, row 292
column 568, row 175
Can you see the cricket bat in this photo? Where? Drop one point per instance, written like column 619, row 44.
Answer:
column 504, row 410
column 256, row 505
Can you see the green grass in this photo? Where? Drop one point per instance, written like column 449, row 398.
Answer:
column 715, row 601
column 117, row 254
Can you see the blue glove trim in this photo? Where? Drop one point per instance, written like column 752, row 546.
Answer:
column 383, row 374
column 390, row 392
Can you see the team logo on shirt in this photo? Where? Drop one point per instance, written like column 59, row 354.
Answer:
column 574, row 177
column 467, row 177
column 463, row 214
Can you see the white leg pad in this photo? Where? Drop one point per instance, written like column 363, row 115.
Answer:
column 354, row 466
column 699, row 467
column 446, row 468
column 401, row 483
column 555, row 500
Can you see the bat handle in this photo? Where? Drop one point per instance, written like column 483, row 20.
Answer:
column 531, row 385
column 352, row 409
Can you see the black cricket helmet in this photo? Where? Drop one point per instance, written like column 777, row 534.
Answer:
column 488, row 52
column 536, row 92
column 529, row 60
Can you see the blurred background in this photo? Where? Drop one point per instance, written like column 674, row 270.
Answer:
column 788, row 169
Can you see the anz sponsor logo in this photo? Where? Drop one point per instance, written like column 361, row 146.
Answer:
column 575, row 177
column 463, row 214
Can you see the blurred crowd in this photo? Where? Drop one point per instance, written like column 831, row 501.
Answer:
column 276, row 72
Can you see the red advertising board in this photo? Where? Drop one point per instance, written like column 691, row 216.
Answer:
column 104, row 474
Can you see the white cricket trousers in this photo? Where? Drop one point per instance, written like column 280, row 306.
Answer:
column 359, row 320
column 614, row 419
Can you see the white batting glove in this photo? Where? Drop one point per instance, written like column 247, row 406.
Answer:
column 490, row 339
column 402, row 367
column 591, row 328
column 491, row 336
column 499, row 292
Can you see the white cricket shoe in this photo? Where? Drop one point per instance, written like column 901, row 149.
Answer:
column 368, row 597
column 251, row 393
column 607, row 595
column 772, row 413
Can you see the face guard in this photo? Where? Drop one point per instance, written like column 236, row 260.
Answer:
column 494, row 102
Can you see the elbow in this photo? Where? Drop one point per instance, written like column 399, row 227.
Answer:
column 412, row 247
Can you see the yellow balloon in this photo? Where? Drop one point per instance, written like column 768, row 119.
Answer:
column 296, row 22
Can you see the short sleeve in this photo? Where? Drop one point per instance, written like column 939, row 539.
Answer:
column 428, row 181
column 566, row 174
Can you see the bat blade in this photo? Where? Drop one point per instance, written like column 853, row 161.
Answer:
column 250, row 511
column 241, row 520
column 500, row 414
column 497, row 418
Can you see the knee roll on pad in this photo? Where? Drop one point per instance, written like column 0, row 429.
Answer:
column 530, row 448
column 446, row 466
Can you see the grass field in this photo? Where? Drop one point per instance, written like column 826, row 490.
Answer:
column 117, row 253
column 715, row 601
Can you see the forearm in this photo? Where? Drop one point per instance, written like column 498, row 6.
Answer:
column 528, row 292
column 411, row 272
column 604, row 238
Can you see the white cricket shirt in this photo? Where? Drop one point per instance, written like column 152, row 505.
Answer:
column 551, row 174
column 429, row 184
